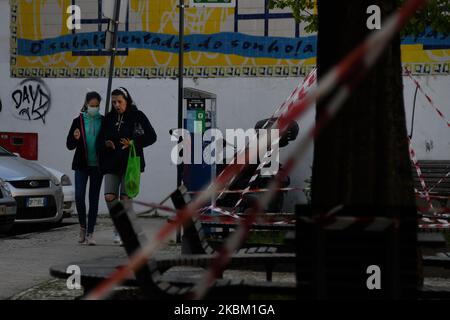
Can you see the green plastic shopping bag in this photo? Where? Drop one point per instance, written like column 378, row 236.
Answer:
column 133, row 173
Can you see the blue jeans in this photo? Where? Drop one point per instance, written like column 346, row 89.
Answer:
column 95, row 183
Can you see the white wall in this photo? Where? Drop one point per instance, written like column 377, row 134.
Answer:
column 429, row 128
column 241, row 103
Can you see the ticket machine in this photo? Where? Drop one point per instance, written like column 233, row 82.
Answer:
column 199, row 110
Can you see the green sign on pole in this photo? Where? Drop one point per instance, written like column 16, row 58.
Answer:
column 213, row 3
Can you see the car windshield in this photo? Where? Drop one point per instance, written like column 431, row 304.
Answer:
column 4, row 152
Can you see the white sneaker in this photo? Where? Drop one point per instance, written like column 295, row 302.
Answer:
column 90, row 240
column 82, row 237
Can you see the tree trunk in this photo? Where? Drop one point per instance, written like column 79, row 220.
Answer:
column 362, row 157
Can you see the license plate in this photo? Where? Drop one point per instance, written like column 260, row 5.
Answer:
column 36, row 202
column 2, row 210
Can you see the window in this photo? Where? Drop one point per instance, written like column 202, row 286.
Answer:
column 92, row 21
column 253, row 16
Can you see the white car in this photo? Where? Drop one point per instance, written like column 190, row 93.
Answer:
column 38, row 194
column 68, row 191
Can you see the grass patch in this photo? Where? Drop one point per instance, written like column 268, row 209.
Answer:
column 258, row 237
column 266, row 237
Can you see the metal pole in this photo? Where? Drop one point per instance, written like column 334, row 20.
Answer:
column 113, row 49
column 180, row 96
column 180, row 82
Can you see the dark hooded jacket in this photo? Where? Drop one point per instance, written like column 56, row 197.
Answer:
column 132, row 124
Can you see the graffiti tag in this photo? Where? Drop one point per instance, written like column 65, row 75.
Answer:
column 31, row 100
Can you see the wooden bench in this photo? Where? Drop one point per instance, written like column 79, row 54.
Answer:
column 441, row 259
column 334, row 252
column 157, row 280
column 431, row 240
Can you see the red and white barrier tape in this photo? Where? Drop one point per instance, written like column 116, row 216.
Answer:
column 440, row 181
column 298, row 93
column 421, row 195
column 358, row 61
column 257, row 190
column 412, row 155
column 438, row 226
column 433, row 220
column 433, row 223
column 224, row 212
column 227, row 216
column 438, row 111
column 260, row 220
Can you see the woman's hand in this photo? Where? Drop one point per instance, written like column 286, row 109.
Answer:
column 126, row 143
column 110, row 144
column 76, row 134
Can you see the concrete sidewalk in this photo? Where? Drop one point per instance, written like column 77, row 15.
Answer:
column 26, row 258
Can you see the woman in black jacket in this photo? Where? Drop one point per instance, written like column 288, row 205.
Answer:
column 82, row 137
column 125, row 124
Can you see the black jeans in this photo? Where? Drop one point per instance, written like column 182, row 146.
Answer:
column 95, row 183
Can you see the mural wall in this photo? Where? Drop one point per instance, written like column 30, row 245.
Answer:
column 247, row 41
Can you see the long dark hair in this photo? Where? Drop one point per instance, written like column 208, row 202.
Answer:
column 121, row 91
column 89, row 96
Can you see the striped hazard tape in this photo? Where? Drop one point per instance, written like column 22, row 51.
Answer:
column 346, row 74
column 356, row 65
column 298, row 95
column 440, row 181
column 421, row 195
column 438, row 111
column 413, row 158
column 438, row 226
column 434, row 222
column 229, row 217
column 256, row 190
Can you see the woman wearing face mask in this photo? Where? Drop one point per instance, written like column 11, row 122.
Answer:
column 83, row 137
column 124, row 125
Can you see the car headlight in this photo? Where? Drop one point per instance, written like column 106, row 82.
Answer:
column 65, row 181
column 5, row 187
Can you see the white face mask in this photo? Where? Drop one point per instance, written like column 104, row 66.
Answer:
column 92, row 111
